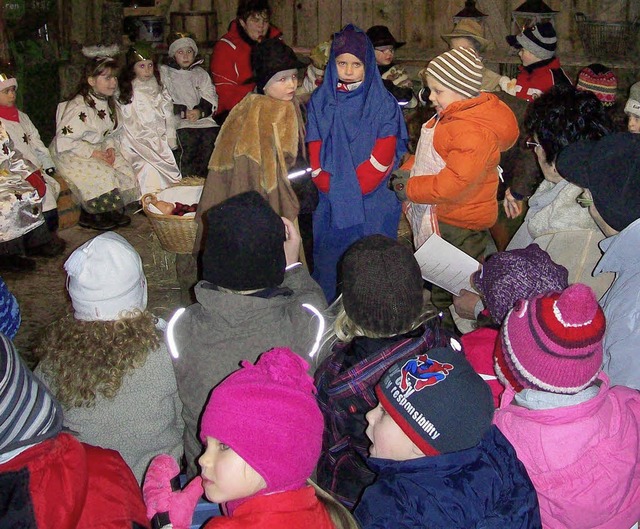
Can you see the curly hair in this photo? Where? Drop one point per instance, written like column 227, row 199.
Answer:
column 563, row 116
column 85, row 358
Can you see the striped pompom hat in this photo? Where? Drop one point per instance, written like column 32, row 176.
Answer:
column 601, row 81
column 552, row 342
column 459, row 69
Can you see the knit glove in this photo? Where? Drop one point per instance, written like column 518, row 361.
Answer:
column 160, row 498
column 508, row 85
column 398, row 183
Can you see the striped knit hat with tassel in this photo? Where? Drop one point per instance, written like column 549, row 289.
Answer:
column 552, row 342
column 459, row 69
column 28, row 412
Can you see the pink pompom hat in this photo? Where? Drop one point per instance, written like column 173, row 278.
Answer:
column 552, row 342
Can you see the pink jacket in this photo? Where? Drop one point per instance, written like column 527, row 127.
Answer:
column 583, row 460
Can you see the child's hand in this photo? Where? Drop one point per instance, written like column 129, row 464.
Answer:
column 110, row 155
column 398, row 184
column 193, row 115
column 291, row 243
column 465, row 304
column 160, row 498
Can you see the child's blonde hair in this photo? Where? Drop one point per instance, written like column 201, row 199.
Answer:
column 339, row 514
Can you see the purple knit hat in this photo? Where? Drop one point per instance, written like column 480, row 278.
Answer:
column 265, row 410
column 552, row 342
column 351, row 40
column 509, row 276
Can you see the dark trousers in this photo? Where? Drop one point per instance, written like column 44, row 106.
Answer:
column 194, row 150
column 471, row 242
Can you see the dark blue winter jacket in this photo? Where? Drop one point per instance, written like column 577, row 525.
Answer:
column 484, row 487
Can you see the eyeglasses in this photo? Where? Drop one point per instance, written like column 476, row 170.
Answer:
column 533, row 144
column 386, row 49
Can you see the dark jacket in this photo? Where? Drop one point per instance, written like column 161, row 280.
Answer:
column 482, row 487
column 346, row 382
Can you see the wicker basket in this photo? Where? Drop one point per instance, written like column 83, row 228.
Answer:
column 607, row 39
column 176, row 234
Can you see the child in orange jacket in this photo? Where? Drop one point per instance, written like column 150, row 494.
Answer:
column 455, row 168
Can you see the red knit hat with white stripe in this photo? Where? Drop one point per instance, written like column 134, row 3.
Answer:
column 459, row 69
column 552, row 342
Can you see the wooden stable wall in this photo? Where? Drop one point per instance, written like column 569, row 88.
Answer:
column 419, row 22
column 307, row 22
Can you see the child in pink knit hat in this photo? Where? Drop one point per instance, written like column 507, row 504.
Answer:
column 262, row 432
column 577, row 437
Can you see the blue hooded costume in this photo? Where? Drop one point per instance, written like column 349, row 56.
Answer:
column 348, row 125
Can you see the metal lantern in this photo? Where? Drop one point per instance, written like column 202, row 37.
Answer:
column 530, row 13
column 469, row 11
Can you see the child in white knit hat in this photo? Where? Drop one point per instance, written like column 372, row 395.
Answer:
column 455, row 168
column 106, row 362
column 195, row 102
column 632, row 109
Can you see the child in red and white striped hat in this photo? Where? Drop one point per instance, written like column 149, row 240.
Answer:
column 577, row 437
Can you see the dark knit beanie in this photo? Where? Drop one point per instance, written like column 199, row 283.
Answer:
column 28, row 412
column 507, row 277
column 382, row 285
column 438, row 400
column 244, row 247
column 351, row 40
column 270, row 57
column 552, row 342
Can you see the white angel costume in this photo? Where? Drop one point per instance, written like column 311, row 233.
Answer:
column 147, row 131
column 84, row 125
column 26, row 140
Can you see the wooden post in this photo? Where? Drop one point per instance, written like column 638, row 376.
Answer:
column 5, row 56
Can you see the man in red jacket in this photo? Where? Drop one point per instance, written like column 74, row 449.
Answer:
column 231, row 58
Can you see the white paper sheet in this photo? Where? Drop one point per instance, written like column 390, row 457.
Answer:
column 444, row 265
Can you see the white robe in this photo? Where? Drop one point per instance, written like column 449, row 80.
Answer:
column 147, row 127
column 26, row 141
column 82, row 128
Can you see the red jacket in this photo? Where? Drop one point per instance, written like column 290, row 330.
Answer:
column 61, row 483
column 535, row 79
column 298, row 509
column 231, row 67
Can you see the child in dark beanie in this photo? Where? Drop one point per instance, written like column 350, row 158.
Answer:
column 262, row 139
column 440, row 463
column 381, row 321
column 251, row 298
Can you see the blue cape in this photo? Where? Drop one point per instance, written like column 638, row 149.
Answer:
column 349, row 123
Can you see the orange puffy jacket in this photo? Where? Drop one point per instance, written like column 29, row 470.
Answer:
column 470, row 136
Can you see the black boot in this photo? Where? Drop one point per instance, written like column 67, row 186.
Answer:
column 121, row 220
column 97, row 221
